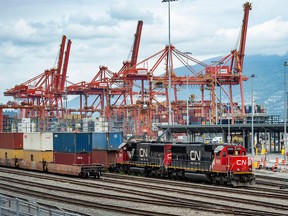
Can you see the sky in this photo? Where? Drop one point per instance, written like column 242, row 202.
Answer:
column 102, row 33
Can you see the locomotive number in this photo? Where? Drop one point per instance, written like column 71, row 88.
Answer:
column 241, row 162
column 195, row 155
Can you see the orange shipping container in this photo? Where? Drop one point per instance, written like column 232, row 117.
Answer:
column 11, row 153
column 38, row 156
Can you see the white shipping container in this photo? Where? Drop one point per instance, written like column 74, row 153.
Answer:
column 98, row 129
column 38, row 141
column 24, row 130
column 25, row 120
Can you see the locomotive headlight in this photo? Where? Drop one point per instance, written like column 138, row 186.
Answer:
column 238, row 169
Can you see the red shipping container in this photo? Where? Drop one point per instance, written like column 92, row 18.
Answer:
column 71, row 158
column 103, row 157
column 11, row 140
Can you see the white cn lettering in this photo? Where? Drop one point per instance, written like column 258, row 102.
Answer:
column 195, row 155
column 143, row 152
column 241, row 162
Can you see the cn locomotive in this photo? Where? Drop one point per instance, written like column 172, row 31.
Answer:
column 217, row 163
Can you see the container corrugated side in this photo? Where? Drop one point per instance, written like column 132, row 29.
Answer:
column 64, row 142
column 99, row 141
column 83, row 142
column 11, row 140
column 46, row 141
column 38, row 156
column 32, row 141
column 72, row 158
column 100, row 157
column 115, row 140
column 11, row 153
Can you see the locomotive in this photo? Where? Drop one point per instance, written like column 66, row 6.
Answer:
column 216, row 163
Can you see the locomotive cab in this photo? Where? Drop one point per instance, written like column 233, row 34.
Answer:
column 234, row 161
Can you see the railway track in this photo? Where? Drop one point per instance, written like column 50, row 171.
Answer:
column 161, row 186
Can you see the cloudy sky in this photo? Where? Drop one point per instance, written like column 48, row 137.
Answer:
column 102, row 32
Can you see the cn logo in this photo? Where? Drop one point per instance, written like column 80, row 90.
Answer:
column 241, row 162
column 143, row 152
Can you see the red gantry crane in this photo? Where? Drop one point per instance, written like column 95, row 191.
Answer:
column 43, row 93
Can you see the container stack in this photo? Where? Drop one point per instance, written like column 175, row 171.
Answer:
column 38, row 147
column 11, row 147
column 72, row 148
column 105, row 146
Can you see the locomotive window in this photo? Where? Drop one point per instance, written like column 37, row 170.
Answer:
column 230, row 152
column 224, row 154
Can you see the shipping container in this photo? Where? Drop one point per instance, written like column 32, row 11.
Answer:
column 37, row 156
column 115, row 140
column 11, row 140
column 83, row 142
column 72, row 142
column 11, row 153
column 103, row 157
column 38, row 141
column 64, row 142
column 99, row 141
column 72, row 158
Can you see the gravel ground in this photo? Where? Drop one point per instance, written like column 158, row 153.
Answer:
column 162, row 209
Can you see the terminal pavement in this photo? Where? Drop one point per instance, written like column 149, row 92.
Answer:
column 271, row 164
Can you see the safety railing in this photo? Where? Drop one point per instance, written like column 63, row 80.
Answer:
column 18, row 207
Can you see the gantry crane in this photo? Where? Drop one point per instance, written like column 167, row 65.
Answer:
column 44, row 93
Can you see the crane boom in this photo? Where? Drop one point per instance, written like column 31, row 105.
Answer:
column 65, row 66
column 136, row 45
column 247, row 7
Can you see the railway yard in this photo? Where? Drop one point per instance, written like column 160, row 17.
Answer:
column 115, row 194
column 136, row 148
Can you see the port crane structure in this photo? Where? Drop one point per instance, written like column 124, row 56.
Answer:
column 138, row 94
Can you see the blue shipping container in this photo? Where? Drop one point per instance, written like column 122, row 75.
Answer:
column 72, row 142
column 64, row 142
column 99, row 141
column 83, row 142
column 115, row 140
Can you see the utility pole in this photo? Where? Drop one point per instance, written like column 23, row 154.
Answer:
column 169, row 63
column 285, row 112
column 252, row 119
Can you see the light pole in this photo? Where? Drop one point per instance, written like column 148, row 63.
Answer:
column 169, row 63
column 252, row 119
column 187, row 102
column 187, row 115
column 285, row 110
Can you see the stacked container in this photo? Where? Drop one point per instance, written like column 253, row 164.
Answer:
column 11, row 145
column 38, row 147
column 105, row 146
column 72, row 148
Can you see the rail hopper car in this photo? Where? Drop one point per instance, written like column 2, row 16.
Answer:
column 219, row 164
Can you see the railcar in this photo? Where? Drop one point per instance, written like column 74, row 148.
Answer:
column 217, row 163
column 79, row 170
